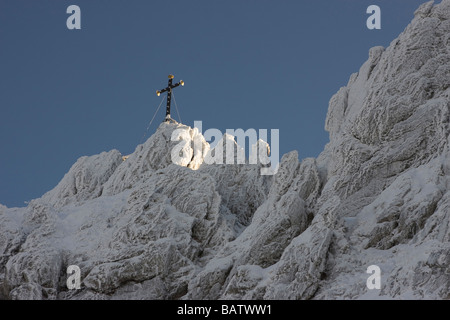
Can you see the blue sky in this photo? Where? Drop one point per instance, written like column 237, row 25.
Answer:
column 259, row 64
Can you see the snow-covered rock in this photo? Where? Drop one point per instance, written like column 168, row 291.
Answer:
column 85, row 179
column 166, row 223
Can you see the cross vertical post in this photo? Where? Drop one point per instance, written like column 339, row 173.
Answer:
column 168, row 89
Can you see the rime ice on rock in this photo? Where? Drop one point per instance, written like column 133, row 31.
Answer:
column 379, row 193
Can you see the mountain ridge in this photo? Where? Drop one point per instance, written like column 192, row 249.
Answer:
column 378, row 194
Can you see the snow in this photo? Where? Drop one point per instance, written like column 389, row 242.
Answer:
column 149, row 228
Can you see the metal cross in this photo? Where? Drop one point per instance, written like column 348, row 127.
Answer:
column 169, row 88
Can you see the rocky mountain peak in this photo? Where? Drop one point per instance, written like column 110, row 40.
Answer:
column 149, row 227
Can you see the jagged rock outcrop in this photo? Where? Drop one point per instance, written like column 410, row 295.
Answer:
column 150, row 227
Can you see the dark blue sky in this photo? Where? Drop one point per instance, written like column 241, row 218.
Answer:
column 259, row 64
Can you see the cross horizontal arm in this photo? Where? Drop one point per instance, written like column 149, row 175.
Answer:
column 170, row 87
column 177, row 84
column 158, row 92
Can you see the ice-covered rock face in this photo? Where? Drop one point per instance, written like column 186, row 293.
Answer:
column 386, row 165
column 152, row 227
column 85, row 179
column 156, row 154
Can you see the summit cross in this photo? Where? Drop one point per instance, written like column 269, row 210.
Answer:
column 168, row 89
